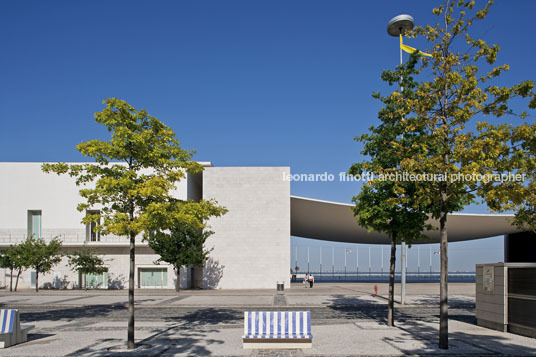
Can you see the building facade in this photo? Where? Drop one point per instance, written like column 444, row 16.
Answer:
column 250, row 247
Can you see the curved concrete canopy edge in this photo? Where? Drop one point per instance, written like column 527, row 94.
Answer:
column 332, row 221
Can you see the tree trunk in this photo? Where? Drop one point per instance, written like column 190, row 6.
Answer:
column 130, row 339
column 391, row 303
column 443, row 238
column 197, row 278
column 11, row 279
column 37, row 281
column 18, row 275
column 443, row 282
column 85, row 282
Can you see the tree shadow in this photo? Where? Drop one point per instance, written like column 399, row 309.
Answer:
column 454, row 301
column 184, row 341
column 70, row 314
column 212, row 274
column 60, row 283
column 118, row 282
column 345, row 300
column 356, row 307
column 208, row 316
column 36, row 337
column 474, row 341
column 143, row 301
column 168, row 342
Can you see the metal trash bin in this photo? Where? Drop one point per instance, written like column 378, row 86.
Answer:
column 280, row 287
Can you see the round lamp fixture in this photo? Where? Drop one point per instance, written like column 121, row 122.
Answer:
column 400, row 24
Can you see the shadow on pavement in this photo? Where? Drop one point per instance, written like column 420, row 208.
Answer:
column 359, row 308
column 209, row 316
column 35, row 337
column 190, row 342
column 70, row 314
column 466, row 343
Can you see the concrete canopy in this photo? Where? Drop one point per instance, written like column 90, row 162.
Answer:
column 335, row 222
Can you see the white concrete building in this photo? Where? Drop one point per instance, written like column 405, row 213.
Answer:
column 257, row 224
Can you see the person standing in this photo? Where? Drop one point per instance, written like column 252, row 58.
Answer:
column 311, row 280
column 305, row 280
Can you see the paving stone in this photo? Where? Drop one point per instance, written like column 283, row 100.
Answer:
column 280, row 300
column 349, row 324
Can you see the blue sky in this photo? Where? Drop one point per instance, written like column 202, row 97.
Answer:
column 245, row 83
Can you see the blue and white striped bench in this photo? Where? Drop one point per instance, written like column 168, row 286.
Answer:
column 11, row 332
column 277, row 329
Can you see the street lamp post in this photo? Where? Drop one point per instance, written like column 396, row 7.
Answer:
column 346, row 251
column 418, row 261
column 332, row 261
column 320, row 261
column 396, row 27
column 357, row 263
column 296, row 260
column 430, row 262
column 381, row 278
column 308, row 260
column 369, row 263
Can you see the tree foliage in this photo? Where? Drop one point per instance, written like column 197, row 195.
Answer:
column 8, row 258
column 510, row 150
column 389, row 206
column 18, row 258
column 183, row 246
column 384, row 204
column 40, row 255
column 86, row 261
column 132, row 180
column 457, row 86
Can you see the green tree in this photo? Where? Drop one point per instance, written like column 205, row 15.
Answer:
column 7, row 262
column 19, row 255
column 41, row 256
column 389, row 206
column 450, row 100
column 510, row 150
column 133, row 177
column 85, row 261
column 184, row 245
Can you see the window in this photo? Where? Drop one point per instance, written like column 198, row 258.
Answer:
column 92, row 234
column 152, row 277
column 34, row 223
column 93, row 281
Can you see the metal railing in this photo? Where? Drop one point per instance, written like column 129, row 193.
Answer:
column 372, row 276
column 67, row 236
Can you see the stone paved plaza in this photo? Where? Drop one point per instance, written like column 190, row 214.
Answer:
column 347, row 320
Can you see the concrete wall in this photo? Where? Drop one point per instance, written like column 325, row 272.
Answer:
column 491, row 297
column 23, row 187
column 117, row 261
column 252, row 241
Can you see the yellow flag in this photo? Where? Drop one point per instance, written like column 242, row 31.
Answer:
column 409, row 49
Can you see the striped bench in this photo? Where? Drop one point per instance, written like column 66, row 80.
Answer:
column 277, row 329
column 11, row 332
